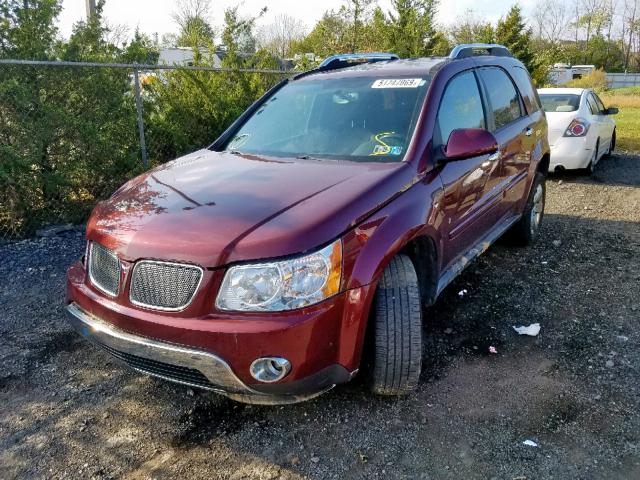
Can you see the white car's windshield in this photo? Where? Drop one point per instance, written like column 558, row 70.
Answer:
column 358, row 118
column 560, row 102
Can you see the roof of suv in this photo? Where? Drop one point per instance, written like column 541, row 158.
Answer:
column 413, row 66
column 374, row 65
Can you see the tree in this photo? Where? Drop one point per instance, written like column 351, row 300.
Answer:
column 412, row 29
column 552, row 19
column 330, row 35
column 140, row 49
column 28, row 31
column 279, row 36
column 189, row 109
column 513, row 33
column 358, row 12
column 192, row 18
column 631, row 29
column 470, row 29
column 593, row 18
column 237, row 35
column 67, row 135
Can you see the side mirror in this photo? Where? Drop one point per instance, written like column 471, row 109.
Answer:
column 469, row 142
column 611, row 111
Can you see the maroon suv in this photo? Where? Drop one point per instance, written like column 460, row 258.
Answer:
column 317, row 227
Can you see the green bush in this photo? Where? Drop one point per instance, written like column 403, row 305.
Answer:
column 597, row 80
column 69, row 135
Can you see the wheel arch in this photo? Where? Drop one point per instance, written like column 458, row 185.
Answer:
column 424, row 255
column 406, row 226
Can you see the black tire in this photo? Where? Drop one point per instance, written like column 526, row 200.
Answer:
column 612, row 145
column 397, row 330
column 525, row 231
column 591, row 168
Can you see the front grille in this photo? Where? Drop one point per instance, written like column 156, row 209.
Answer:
column 174, row 373
column 104, row 269
column 164, row 285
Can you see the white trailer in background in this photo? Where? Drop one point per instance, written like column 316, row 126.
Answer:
column 563, row 73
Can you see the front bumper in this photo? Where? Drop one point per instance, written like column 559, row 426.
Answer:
column 204, row 348
column 570, row 153
column 190, row 367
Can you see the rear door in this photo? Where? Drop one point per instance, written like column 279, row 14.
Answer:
column 515, row 133
column 595, row 123
column 465, row 181
column 606, row 124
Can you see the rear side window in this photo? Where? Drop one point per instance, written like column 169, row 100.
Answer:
column 503, row 96
column 593, row 107
column 523, row 80
column 599, row 102
column 461, row 106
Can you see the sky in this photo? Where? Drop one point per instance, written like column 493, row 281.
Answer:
column 154, row 16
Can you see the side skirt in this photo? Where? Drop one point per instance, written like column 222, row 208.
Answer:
column 454, row 270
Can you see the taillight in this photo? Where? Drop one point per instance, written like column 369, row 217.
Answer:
column 577, row 128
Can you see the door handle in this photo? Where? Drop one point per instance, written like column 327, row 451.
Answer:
column 528, row 132
column 495, row 156
column 491, row 159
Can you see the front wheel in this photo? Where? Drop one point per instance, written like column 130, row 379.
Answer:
column 397, row 330
column 525, row 231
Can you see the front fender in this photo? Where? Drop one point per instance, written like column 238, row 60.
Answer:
column 370, row 246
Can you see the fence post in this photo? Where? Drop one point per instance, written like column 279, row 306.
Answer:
column 143, row 145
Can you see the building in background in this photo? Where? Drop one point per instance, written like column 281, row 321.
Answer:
column 563, row 73
column 183, row 56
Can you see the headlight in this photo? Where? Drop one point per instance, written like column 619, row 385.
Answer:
column 278, row 286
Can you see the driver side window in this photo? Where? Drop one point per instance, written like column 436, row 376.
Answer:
column 461, row 106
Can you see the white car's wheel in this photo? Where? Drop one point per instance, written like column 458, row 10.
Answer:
column 612, row 144
column 591, row 168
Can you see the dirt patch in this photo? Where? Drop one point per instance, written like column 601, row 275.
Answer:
column 68, row 411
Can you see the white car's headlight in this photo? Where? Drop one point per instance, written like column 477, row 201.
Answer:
column 285, row 285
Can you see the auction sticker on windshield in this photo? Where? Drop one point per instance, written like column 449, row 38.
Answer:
column 398, row 83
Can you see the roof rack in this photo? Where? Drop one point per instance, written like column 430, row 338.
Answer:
column 468, row 49
column 349, row 59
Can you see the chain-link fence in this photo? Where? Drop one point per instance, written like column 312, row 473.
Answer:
column 71, row 133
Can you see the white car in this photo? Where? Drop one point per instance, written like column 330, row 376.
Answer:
column 581, row 130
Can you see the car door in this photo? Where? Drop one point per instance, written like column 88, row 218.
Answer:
column 608, row 124
column 465, row 181
column 535, row 136
column 515, row 134
column 597, row 124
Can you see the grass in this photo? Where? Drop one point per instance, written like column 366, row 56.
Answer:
column 628, row 120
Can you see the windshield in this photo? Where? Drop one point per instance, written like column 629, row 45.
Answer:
column 556, row 102
column 362, row 119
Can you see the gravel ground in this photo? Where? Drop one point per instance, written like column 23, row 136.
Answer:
column 68, row 411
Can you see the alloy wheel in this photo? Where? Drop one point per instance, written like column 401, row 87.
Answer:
column 537, row 209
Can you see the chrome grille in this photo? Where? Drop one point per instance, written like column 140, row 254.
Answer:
column 164, row 285
column 104, row 269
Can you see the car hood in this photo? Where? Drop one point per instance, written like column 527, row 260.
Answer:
column 213, row 208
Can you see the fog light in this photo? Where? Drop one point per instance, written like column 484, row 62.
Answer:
column 270, row 369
